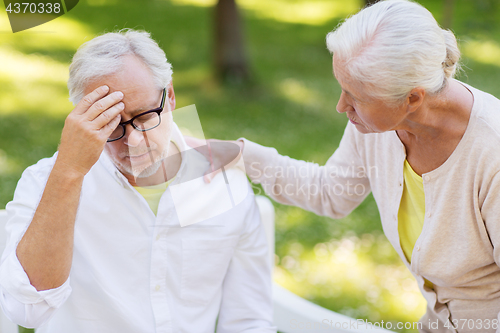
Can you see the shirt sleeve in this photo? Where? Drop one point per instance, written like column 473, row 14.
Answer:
column 20, row 301
column 333, row 190
column 490, row 211
column 247, row 289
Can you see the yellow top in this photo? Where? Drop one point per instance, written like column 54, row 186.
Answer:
column 153, row 194
column 411, row 212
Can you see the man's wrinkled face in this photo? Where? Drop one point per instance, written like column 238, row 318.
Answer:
column 139, row 154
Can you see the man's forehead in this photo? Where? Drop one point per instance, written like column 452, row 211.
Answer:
column 132, row 71
column 136, row 99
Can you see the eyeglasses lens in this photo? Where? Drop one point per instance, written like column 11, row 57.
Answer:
column 142, row 123
column 147, row 121
column 117, row 133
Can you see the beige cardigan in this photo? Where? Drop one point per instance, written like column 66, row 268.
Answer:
column 459, row 248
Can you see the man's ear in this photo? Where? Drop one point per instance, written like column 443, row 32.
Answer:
column 171, row 96
column 415, row 99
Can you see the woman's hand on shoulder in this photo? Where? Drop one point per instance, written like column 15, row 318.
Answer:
column 220, row 154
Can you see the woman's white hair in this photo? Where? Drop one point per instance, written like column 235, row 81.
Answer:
column 102, row 56
column 394, row 46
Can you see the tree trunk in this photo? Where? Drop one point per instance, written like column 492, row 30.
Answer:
column 230, row 59
column 448, row 13
column 370, row 2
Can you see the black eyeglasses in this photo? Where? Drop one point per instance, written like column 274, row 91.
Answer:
column 142, row 122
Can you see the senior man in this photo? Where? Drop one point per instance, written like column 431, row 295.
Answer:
column 99, row 238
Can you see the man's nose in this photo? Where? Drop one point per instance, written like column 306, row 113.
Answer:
column 132, row 136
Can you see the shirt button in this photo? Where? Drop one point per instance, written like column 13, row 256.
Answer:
column 157, row 287
column 418, row 248
column 427, row 178
column 428, row 214
column 158, row 237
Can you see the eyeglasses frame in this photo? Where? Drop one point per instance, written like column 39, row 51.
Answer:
column 131, row 121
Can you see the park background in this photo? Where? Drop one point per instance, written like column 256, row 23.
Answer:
column 288, row 102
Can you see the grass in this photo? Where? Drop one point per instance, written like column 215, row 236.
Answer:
column 345, row 265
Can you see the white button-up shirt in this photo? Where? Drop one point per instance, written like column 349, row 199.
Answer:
column 133, row 271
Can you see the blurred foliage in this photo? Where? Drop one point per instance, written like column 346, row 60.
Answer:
column 345, row 265
column 25, row 330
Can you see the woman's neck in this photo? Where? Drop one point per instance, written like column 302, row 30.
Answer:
column 445, row 115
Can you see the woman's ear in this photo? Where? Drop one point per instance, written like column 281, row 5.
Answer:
column 415, row 99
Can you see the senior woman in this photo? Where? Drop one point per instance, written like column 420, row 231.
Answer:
column 426, row 146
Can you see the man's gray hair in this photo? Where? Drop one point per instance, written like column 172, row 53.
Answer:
column 102, row 55
column 394, row 46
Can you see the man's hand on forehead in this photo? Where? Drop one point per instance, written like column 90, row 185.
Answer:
column 87, row 129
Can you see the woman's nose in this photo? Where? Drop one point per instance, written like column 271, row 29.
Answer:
column 343, row 105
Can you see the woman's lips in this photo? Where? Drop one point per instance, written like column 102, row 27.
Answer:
column 352, row 121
